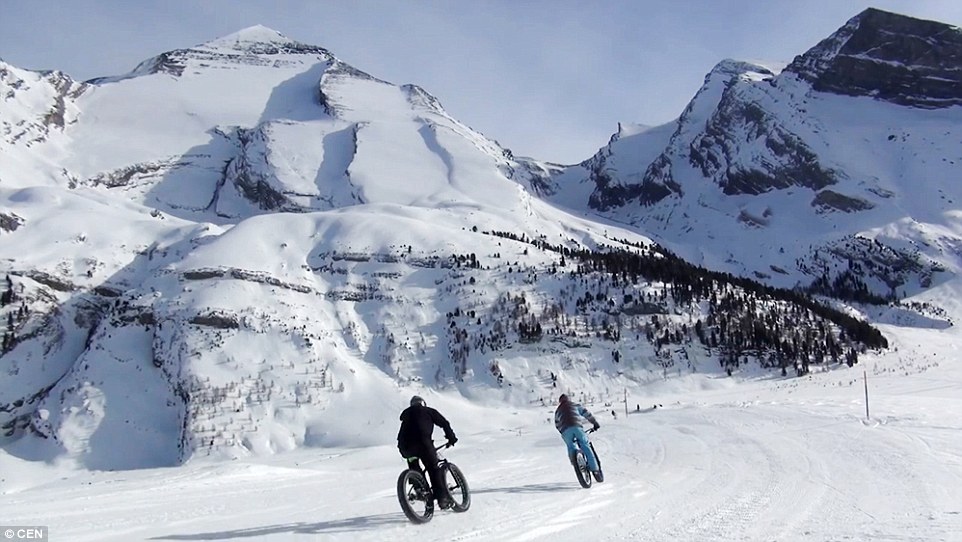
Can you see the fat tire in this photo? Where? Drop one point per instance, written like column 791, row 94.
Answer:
column 581, row 470
column 413, row 492
column 457, row 486
column 598, row 461
column 597, row 457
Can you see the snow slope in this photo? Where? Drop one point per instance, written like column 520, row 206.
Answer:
column 232, row 267
column 773, row 175
column 764, row 459
column 894, row 157
column 231, row 235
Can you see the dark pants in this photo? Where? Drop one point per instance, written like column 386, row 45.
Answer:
column 429, row 457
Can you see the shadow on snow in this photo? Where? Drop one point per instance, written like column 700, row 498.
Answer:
column 527, row 488
column 334, row 526
column 349, row 524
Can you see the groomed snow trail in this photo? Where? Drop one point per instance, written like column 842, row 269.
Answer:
column 759, row 470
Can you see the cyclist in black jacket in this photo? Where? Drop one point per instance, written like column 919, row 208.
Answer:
column 415, row 443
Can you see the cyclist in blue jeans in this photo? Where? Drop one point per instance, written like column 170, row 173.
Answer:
column 568, row 418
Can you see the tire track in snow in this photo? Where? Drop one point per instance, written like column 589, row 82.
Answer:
column 728, row 483
column 548, row 502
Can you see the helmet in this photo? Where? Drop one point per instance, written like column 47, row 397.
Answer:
column 417, row 400
column 563, row 398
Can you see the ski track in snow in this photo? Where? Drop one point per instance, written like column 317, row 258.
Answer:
column 809, row 470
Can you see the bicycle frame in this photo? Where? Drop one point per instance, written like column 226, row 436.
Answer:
column 422, row 492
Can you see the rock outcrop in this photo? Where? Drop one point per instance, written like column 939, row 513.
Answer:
column 890, row 57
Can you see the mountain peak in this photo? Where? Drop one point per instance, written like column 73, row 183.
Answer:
column 730, row 67
column 254, row 45
column 242, row 39
column 260, row 40
column 890, row 57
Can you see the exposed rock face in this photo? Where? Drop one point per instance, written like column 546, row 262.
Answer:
column 829, row 200
column 741, row 130
column 10, row 222
column 658, row 182
column 247, row 173
column 890, row 57
column 256, row 45
column 609, row 192
column 129, row 175
column 32, row 104
column 711, row 143
column 740, row 123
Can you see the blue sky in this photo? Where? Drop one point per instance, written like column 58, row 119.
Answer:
column 548, row 79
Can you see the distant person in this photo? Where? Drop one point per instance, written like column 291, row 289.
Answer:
column 568, row 418
column 414, row 441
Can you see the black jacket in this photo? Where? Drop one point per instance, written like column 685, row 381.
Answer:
column 417, row 425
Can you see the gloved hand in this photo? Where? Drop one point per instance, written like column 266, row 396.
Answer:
column 452, row 440
column 595, row 428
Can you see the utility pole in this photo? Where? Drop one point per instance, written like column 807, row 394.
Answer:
column 865, row 377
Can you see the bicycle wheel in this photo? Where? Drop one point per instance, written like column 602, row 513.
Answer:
column 598, row 475
column 581, row 469
column 597, row 457
column 458, row 487
column 414, row 494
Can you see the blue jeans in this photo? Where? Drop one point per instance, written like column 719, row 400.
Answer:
column 574, row 433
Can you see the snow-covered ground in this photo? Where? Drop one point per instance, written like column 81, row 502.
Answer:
column 764, row 459
column 171, row 283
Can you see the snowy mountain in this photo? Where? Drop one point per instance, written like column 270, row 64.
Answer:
column 216, row 250
column 248, row 246
column 841, row 161
column 249, row 249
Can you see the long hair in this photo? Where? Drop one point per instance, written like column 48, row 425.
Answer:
column 566, row 412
